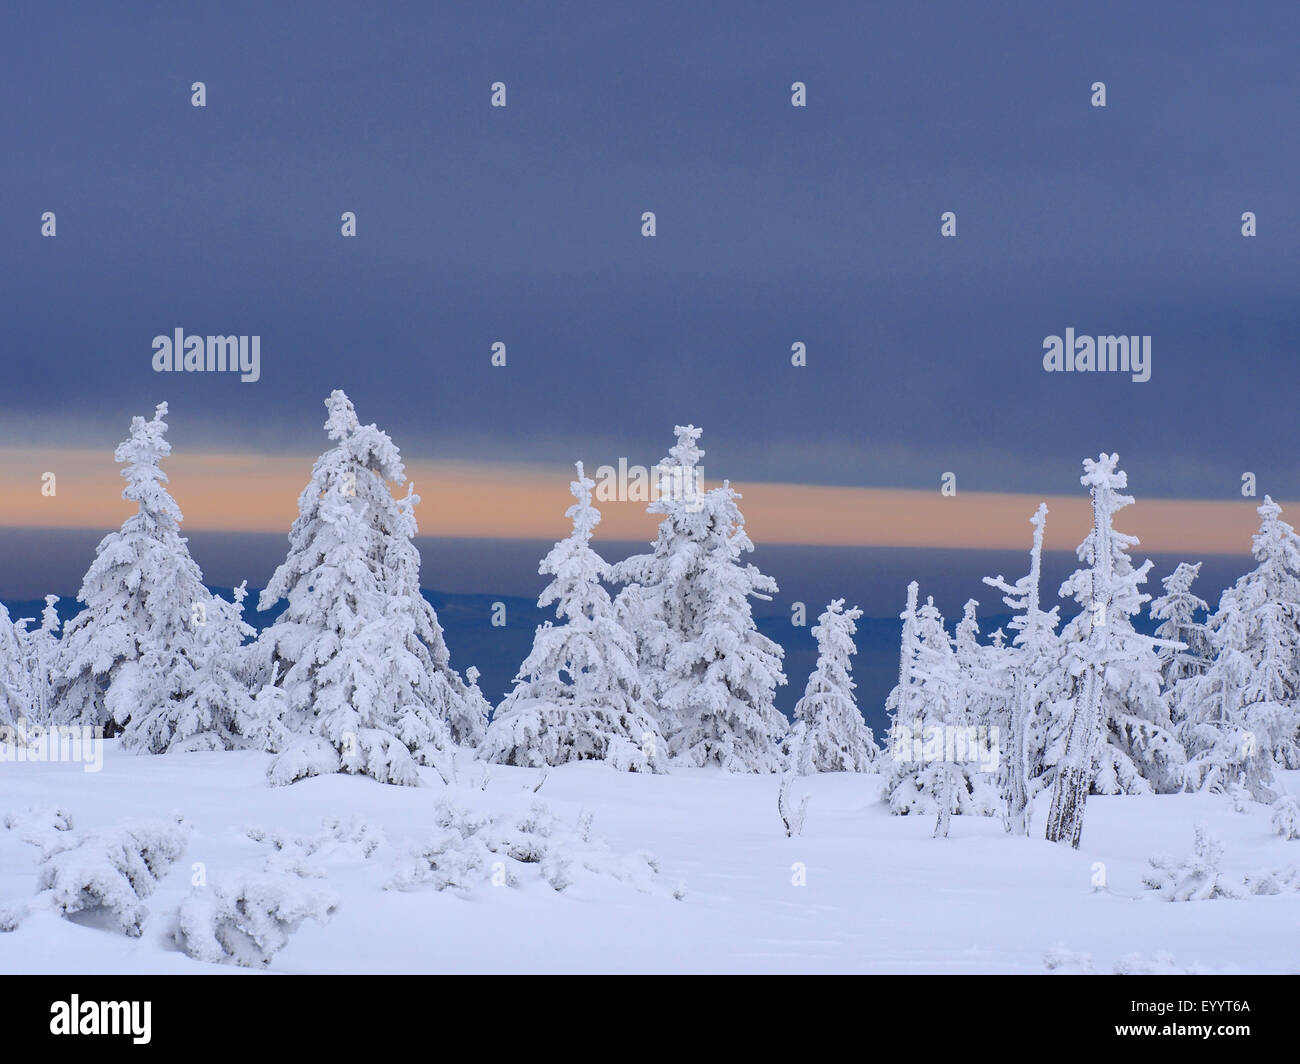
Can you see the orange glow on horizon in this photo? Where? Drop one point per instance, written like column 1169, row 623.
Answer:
column 250, row 493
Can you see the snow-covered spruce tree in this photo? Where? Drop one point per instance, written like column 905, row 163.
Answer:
column 577, row 695
column 358, row 653
column 133, row 647
column 720, row 681
column 903, row 703
column 829, row 734
column 1119, row 738
column 1177, row 610
column 932, row 730
column 1031, row 660
column 16, row 686
column 706, row 670
column 973, row 722
column 1239, row 718
column 40, row 650
column 210, row 708
column 658, row 604
column 459, row 703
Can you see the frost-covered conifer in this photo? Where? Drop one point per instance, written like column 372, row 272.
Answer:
column 1120, row 738
column 16, row 686
column 358, row 652
column 1239, row 718
column 133, row 647
column 1030, row 662
column 829, row 732
column 1177, row 610
column 211, row 707
column 40, row 650
column 657, row 605
column 720, row 680
column 903, row 703
column 577, row 695
column 706, row 670
column 938, row 756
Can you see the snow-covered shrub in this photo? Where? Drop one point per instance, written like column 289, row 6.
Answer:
column 1193, row 878
column 1286, row 817
column 1279, row 881
column 349, row 840
column 45, row 827
column 471, row 850
column 247, row 920
column 1160, row 963
column 1062, row 961
column 109, row 871
column 454, row 857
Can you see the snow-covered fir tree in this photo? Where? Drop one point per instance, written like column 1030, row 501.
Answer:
column 721, row 679
column 705, row 668
column 40, row 650
column 577, row 695
column 974, row 721
column 16, row 688
column 937, row 754
column 209, row 707
column 657, row 605
column 358, row 653
column 829, row 733
column 133, row 646
column 1239, row 718
column 1119, row 738
column 903, row 703
column 1177, row 611
column 1026, row 720
column 459, row 703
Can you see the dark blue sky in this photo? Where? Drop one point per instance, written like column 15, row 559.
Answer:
column 775, row 224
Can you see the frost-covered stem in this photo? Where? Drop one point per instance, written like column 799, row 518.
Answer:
column 1065, row 819
column 791, row 818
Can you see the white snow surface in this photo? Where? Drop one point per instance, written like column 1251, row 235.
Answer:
column 881, row 895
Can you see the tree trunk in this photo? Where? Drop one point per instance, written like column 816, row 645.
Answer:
column 1074, row 777
column 1016, row 820
column 1065, row 820
column 945, row 802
